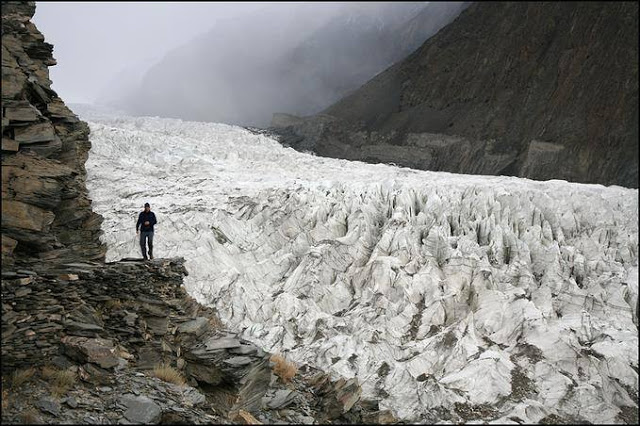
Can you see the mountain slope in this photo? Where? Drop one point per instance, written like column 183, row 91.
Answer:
column 353, row 47
column 289, row 58
column 549, row 89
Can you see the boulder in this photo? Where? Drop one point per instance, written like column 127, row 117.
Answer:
column 9, row 145
column 21, row 111
column 280, row 399
column 209, row 374
column 16, row 214
column 41, row 132
column 48, row 406
column 336, row 398
column 141, row 409
column 215, row 343
column 98, row 351
column 197, row 326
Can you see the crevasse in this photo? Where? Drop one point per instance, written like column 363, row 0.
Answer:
column 434, row 289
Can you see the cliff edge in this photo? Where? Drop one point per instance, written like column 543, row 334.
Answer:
column 46, row 211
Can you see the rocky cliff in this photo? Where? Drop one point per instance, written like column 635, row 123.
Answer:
column 85, row 341
column 538, row 90
column 46, row 211
column 109, row 327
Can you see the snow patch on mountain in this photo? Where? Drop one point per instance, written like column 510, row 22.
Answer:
column 438, row 291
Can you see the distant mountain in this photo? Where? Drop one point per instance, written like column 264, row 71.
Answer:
column 294, row 58
column 353, row 47
column 538, row 90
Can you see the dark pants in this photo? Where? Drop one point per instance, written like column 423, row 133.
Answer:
column 143, row 237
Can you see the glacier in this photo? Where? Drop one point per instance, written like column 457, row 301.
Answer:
column 437, row 291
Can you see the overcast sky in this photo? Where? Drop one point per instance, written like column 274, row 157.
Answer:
column 94, row 41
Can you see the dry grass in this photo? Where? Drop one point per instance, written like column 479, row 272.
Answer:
column 48, row 372
column 283, row 368
column 62, row 381
column 20, row 377
column 59, row 380
column 113, row 304
column 168, row 374
column 99, row 312
column 5, row 399
column 29, row 417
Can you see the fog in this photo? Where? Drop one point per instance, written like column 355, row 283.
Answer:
column 236, row 63
column 95, row 41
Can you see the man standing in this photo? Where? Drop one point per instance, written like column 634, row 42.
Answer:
column 144, row 227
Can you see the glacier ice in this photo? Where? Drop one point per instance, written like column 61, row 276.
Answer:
column 434, row 289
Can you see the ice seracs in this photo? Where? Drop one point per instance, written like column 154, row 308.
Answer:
column 438, row 291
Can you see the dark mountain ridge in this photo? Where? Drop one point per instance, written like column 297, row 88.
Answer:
column 538, row 90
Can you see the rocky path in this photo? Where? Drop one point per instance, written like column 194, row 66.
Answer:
column 107, row 328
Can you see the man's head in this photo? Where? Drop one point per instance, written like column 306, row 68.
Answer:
column 147, row 207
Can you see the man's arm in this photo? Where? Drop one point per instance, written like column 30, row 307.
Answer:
column 139, row 222
column 153, row 219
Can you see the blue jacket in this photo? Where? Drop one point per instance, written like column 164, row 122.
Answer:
column 144, row 217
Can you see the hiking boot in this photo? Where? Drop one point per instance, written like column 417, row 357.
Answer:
column 151, row 257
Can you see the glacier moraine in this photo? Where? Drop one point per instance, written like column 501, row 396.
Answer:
column 434, row 289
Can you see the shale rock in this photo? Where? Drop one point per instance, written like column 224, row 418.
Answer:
column 97, row 326
column 141, row 409
column 46, row 212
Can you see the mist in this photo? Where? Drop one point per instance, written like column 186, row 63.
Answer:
column 95, row 43
column 237, row 63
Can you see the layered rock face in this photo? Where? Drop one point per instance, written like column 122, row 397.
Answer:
column 43, row 306
column 537, row 90
column 46, row 212
column 111, row 325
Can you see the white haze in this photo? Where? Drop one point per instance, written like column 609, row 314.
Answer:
column 236, row 63
column 94, row 42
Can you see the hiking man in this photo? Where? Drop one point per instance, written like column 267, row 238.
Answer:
column 144, row 227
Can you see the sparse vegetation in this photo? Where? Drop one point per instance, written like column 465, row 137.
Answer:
column 113, row 304
column 29, row 417
column 48, row 372
column 62, row 381
column 283, row 368
column 59, row 380
column 168, row 374
column 99, row 313
column 20, row 377
column 5, row 399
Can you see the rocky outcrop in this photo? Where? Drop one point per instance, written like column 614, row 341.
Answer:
column 44, row 307
column 46, row 211
column 112, row 325
column 537, row 90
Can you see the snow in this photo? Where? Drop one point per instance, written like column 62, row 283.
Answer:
column 450, row 280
